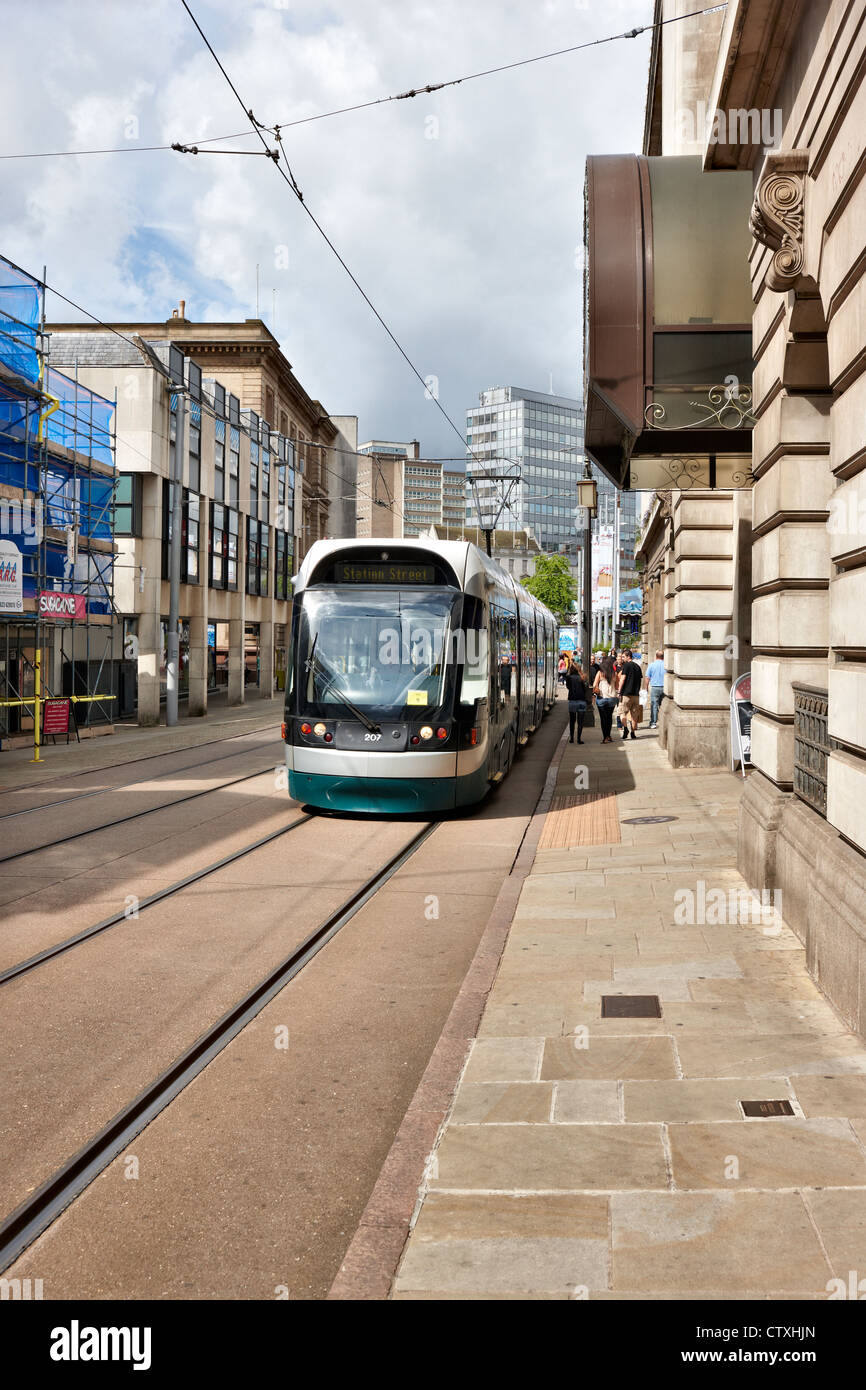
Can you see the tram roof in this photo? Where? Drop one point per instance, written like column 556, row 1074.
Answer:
column 463, row 557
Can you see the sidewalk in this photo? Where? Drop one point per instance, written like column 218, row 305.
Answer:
column 610, row 1157
column 130, row 742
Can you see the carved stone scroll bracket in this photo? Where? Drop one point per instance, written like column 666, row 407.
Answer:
column 777, row 216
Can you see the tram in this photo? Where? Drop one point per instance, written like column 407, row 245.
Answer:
column 417, row 669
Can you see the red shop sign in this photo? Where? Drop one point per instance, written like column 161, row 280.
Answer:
column 53, row 604
column 55, row 717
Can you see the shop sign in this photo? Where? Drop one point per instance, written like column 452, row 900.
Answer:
column 11, row 592
column 57, row 604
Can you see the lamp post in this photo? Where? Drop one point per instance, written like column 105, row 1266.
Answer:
column 587, row 496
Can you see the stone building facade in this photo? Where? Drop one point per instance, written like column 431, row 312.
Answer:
column 787, row 80
column 246, row 358
column 238, row 525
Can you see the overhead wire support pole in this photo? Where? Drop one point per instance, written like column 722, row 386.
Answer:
column 172, row 643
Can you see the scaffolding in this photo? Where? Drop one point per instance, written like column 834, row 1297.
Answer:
column 58, row 617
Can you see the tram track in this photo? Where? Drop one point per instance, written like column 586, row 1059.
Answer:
column 39, row 1210
column 125, row 786
column 134, row 815
column 14, row 972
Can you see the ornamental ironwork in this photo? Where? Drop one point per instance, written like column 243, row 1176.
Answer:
column 727, row 407
column 811, row 745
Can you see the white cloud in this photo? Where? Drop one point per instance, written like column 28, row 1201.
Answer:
column 464, row 242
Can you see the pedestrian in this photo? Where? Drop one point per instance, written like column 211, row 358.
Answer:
column 629, row 684
column 595, row 666
column 655, row 684
column 563, row 667
column 604, row 689
column 578, row 694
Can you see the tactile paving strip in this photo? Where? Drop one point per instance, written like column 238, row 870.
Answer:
column 581, row 818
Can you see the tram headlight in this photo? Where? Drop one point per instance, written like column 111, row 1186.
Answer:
column 426, row 732
column 319, row 730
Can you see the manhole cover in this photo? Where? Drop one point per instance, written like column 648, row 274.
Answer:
column 630, row 1006
column 765, row 1108
column 648, row 820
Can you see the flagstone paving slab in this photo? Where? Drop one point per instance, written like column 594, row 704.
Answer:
column 584, row 1102
column 771, row 1054
column 504, row 1059
column 688, row 1101
column 774, row 1153
column 599, row 1157
column 597, row 1058
column 841, row 1220
column 501, row 1102
column 685, row 1242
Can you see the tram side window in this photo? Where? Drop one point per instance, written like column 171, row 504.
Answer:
column 476, row 664
column 505, row 628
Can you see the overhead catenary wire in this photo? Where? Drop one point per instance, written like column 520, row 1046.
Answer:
column 421, row 90
column 290, row 182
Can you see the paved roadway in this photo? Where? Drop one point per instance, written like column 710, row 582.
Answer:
column 250, row 1184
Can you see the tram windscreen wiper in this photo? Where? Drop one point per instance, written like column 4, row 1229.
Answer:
column 332, row 685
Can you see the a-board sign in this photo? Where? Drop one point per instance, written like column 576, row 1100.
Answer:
column 55, row 716
column 741, row 722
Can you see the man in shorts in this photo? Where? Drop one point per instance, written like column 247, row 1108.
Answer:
column 630, row 677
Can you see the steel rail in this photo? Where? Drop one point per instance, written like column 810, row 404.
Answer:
column 128, row 762
column 135, row 815
column 61, row 947
column 43, row 1207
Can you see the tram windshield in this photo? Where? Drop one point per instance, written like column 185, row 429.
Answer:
column 385, row 653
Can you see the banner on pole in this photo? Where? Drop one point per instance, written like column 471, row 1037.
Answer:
column 602, row 569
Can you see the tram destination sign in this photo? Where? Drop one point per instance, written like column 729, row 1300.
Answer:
column 383, row 572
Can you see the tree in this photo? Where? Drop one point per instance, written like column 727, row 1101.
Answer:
column 554, row 586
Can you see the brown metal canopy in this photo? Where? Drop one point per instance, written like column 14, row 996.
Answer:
column 667, row 332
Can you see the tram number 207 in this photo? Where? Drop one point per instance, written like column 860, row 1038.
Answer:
column 372, row 738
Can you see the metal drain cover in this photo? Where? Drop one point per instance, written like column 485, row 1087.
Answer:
column 630, row 1006
column 764, row 1108
column 648, row 820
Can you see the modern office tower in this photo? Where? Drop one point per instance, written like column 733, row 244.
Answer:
column 401, row 494
column 541, row 436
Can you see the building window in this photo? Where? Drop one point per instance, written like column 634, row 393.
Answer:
column 223, row 549
column 283, row 551
column 258, row 557
column 194, row 445
column 127, row 505
column 189, row 538
column 234, row 464
column 219, row 465
column 269, row 405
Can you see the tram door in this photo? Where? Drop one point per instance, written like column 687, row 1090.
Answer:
column 504, row 676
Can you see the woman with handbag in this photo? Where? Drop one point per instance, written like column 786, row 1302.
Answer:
column 604, row 690
column 578, row 694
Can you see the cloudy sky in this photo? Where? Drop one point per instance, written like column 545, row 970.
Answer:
column 460, row 212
